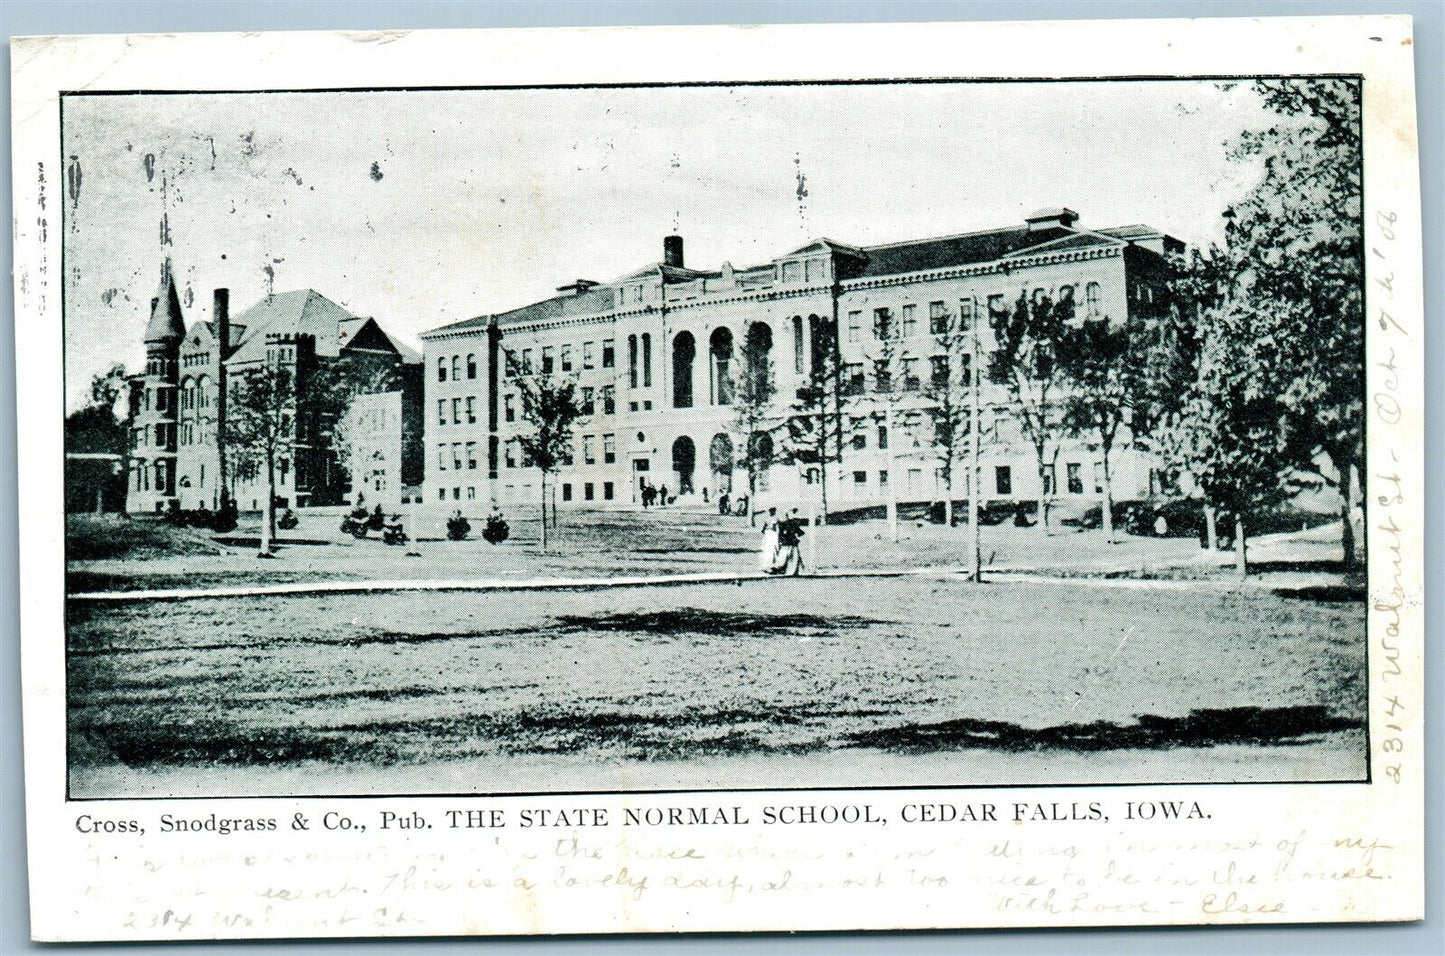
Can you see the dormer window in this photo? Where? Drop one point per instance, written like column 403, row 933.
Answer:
column 792, row 273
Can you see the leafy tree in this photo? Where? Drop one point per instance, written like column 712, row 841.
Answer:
column 1294, row 246
column 549, row 407
column 1026, row 363
column 261, row 427
column 1105, row 364
column 96, row 428
column 948, row 388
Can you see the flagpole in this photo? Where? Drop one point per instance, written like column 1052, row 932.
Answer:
column 975, row 478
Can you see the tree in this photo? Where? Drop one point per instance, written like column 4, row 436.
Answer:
column 1294, row 245
column 814, row 427
column 753, row 408
column 346, row 380
column 95, row 428
column 1026, row 363
column 1105, row 364
column 948, row 389
column 261, row 427
column 549, row 406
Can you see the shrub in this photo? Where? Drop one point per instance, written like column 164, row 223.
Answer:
column 497, row 530
column 458, row 527
column 288, row 520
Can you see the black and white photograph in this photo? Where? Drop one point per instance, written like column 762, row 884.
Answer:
column 714, row 436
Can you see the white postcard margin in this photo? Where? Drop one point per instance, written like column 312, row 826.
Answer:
column 1280, row 853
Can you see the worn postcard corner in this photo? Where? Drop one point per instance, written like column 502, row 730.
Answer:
column 564, row 482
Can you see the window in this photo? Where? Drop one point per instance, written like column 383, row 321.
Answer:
column 609, row 449
column 853, row 378
column 566, row 456
column 1040, row 294
column 587, row 355
column 937, row 318
column 589, row 450
column 910, row 320
column 910, row 374
column 1076, row 480
column 526, row 361
column 1098, row 477
column 471, row 492
column 882, row 324
column 457, row 494
column 441, row 411
column 566, row 358
column 792, row 272
column 967, row 373
column 441, row 370
column 456, row 411
column 1093, row 304
column 882, row 437
column 471, row 369
column 609, row 353
column 882, row 377
column 441, row 494
column 457, row 455
column 798, row 344
column 609, row 399
column 860, row 478
column 456, row 368
column 883, row 480
column 566, row 491
column 632, row 361
column 940, row 371
column 509, row 405
column 997, row 310
column 548, row 359
column 1003, row 482
column 608, row 490
column 1066, row 295
column 471, row 409
column 511, row 454
column 1049, row 478
column 646, row 360
column 442, row 457
column 589, row 404
column 587, row 492
column 859, row 434
column 471, row 455
column 855, row 326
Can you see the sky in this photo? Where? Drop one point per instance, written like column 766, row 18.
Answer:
column 427, row 207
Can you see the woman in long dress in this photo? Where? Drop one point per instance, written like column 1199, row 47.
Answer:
column 768, row 555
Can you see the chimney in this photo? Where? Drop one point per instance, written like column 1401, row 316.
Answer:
column 1051, row 219
column 221, row 317
column 672, row 251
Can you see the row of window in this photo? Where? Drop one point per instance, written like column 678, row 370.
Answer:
column 589, row 491
column 554, row 357
column 195, row 359
column 455, row 365
column 906, row 324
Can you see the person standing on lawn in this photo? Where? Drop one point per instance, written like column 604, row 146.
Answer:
column 790, row 532
column 768, row 556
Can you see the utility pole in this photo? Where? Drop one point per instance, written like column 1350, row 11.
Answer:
column 975, row 472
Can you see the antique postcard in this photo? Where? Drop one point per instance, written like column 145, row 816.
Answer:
column 720, row 479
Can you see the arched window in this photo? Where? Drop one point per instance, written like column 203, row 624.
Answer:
column 721, row 349
column 684, row 461
column 456, row 368
column 471, row 365
column 203, row 392
column 1093, row 305
column 646, row 360
column 441, row 369
column 632, row 361
column 684, row 350
column 757, row 360
column 798, row 344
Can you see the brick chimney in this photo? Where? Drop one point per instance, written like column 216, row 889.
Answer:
column 672, row 251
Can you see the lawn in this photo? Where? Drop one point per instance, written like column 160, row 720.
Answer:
column 923, row 680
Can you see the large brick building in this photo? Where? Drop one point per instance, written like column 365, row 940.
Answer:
column 180, row 454
column 655, row 354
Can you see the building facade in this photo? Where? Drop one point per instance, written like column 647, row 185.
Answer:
column 182, row 454
column 660, row 356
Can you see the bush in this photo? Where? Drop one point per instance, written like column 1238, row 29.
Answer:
column 226, row 519
column 497, row 530
column 288, row 520
column 458, row 527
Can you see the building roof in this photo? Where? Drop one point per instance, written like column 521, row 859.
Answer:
column 303, row 312
column 166, row 322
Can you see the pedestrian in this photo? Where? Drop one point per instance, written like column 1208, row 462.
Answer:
column 646, row 494
column 790, row 558
column 768, row 555
column 722, row 503
column 662, row 495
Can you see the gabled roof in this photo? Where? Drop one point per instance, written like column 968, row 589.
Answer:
column 367, row 334
column 166, row 322
column 303, row 312
column 824, row 244
column 590, row 302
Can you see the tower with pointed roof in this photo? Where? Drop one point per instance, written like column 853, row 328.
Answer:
column 154, row 423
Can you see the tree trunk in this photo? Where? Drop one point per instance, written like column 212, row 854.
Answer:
column 1241, row 547
column 1211, row 533
column 268, row 530
column 1348, row 504
column 1107, row 506
column 948, row 499
column 1045, row 494
column 544, row 511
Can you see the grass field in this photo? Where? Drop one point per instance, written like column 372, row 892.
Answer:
column 923, row 680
